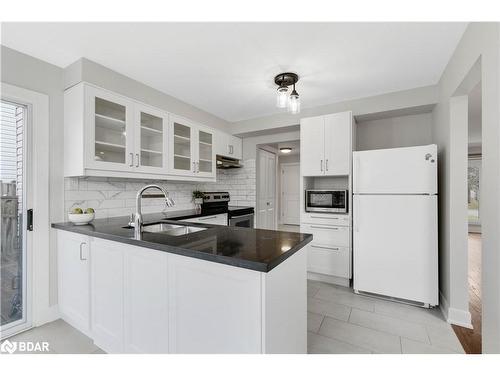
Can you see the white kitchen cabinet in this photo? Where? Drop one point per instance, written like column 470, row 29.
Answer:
column 151, row 140
column 107, row 269
column 107, row 134
column 145, row 301
column 73, row 257
column 192, row 148
column 329, row 253
column 201, row 321
column 326, row 145
column 228, row 145
column 338, row 144
column 220, row 219
column 149, row 301
column 110, row 135
column 312, row 146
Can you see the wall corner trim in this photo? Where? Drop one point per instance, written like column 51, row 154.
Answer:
column 454, row 316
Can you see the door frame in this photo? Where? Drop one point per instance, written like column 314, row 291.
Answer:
column 38, row 309
column 281, row 211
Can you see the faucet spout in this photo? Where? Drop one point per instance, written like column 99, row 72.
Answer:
column 138, row 208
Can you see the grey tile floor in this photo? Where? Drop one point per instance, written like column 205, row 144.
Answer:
column 338, row 322
column 62, row 339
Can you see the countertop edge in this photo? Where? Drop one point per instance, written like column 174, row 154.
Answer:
column 240, row 263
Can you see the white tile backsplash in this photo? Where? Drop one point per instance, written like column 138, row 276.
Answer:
column 116, row 196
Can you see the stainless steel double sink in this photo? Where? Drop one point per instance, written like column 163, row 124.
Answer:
column 170, row 229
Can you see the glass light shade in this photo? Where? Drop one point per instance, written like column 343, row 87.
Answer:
column 294, row 103
column 282, row 97
column 286, row 150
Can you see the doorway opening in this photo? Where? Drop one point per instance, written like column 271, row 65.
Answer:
column 13, row 259
column 278, row 186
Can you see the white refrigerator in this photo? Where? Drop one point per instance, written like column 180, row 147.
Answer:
column 395, row 238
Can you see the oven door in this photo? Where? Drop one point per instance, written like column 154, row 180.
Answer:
column 245, row 221
column 326, row 201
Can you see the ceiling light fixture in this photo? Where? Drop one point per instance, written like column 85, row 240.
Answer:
column 283, row 100
column 285, row 150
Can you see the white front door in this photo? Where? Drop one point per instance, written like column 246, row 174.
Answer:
column 266, row 212
column 290, row 193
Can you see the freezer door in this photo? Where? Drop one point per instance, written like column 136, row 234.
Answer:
column 395, row 246
column 408, row 170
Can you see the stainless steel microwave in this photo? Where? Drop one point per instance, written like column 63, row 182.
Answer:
column 326, row 201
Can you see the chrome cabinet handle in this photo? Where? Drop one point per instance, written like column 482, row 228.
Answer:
column 321, row 165
column 198, row 167
column 318, row 227
column 131, row 159
column 321, row 217
column 326, row 165
column 326, row 247
column 194, row 167
column 137, row 162
column 81, row 250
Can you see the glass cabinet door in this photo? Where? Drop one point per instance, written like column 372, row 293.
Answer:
column 205, row 153
column 151, row 142
column 182, row 153
column 110, row 132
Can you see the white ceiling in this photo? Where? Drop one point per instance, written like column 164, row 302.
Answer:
column 227, row 69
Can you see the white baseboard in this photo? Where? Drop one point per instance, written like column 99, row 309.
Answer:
column 47, row 315
column 454, row 316
column 328, row 279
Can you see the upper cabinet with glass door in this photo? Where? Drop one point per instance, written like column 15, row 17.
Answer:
column 107, row 134
column 192, row 149
column 109, row 146
column 206, row 153
column 151, row 140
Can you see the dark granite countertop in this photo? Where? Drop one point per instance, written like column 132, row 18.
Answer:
column 255, row 249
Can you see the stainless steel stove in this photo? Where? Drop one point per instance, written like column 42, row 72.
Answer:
column 238, row 216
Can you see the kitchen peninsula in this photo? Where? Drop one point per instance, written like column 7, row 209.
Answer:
column 184, row 287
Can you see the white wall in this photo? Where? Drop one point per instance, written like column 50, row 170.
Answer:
column 480, row 41
column 91, row 72
column 27, row 72
column 394, row 101
column 393, row 132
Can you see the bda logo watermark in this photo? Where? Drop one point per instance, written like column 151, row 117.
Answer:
column 23, row 347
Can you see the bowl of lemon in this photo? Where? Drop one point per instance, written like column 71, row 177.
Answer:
column 79, row 216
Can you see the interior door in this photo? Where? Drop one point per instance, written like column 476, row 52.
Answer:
column 312, row 147
column 266, row 210
column 290, row 194
column 338, row 144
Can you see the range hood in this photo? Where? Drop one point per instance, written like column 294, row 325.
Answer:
column 223, row 162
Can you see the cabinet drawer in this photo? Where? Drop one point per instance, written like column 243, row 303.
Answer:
column 332, row 219
column 328, row 234
column 332, row 261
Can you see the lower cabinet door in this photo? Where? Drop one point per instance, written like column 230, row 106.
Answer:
column 214, row 308
column 107, row 259
column 74, row 279
column 146, row 301
column 329, row 260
